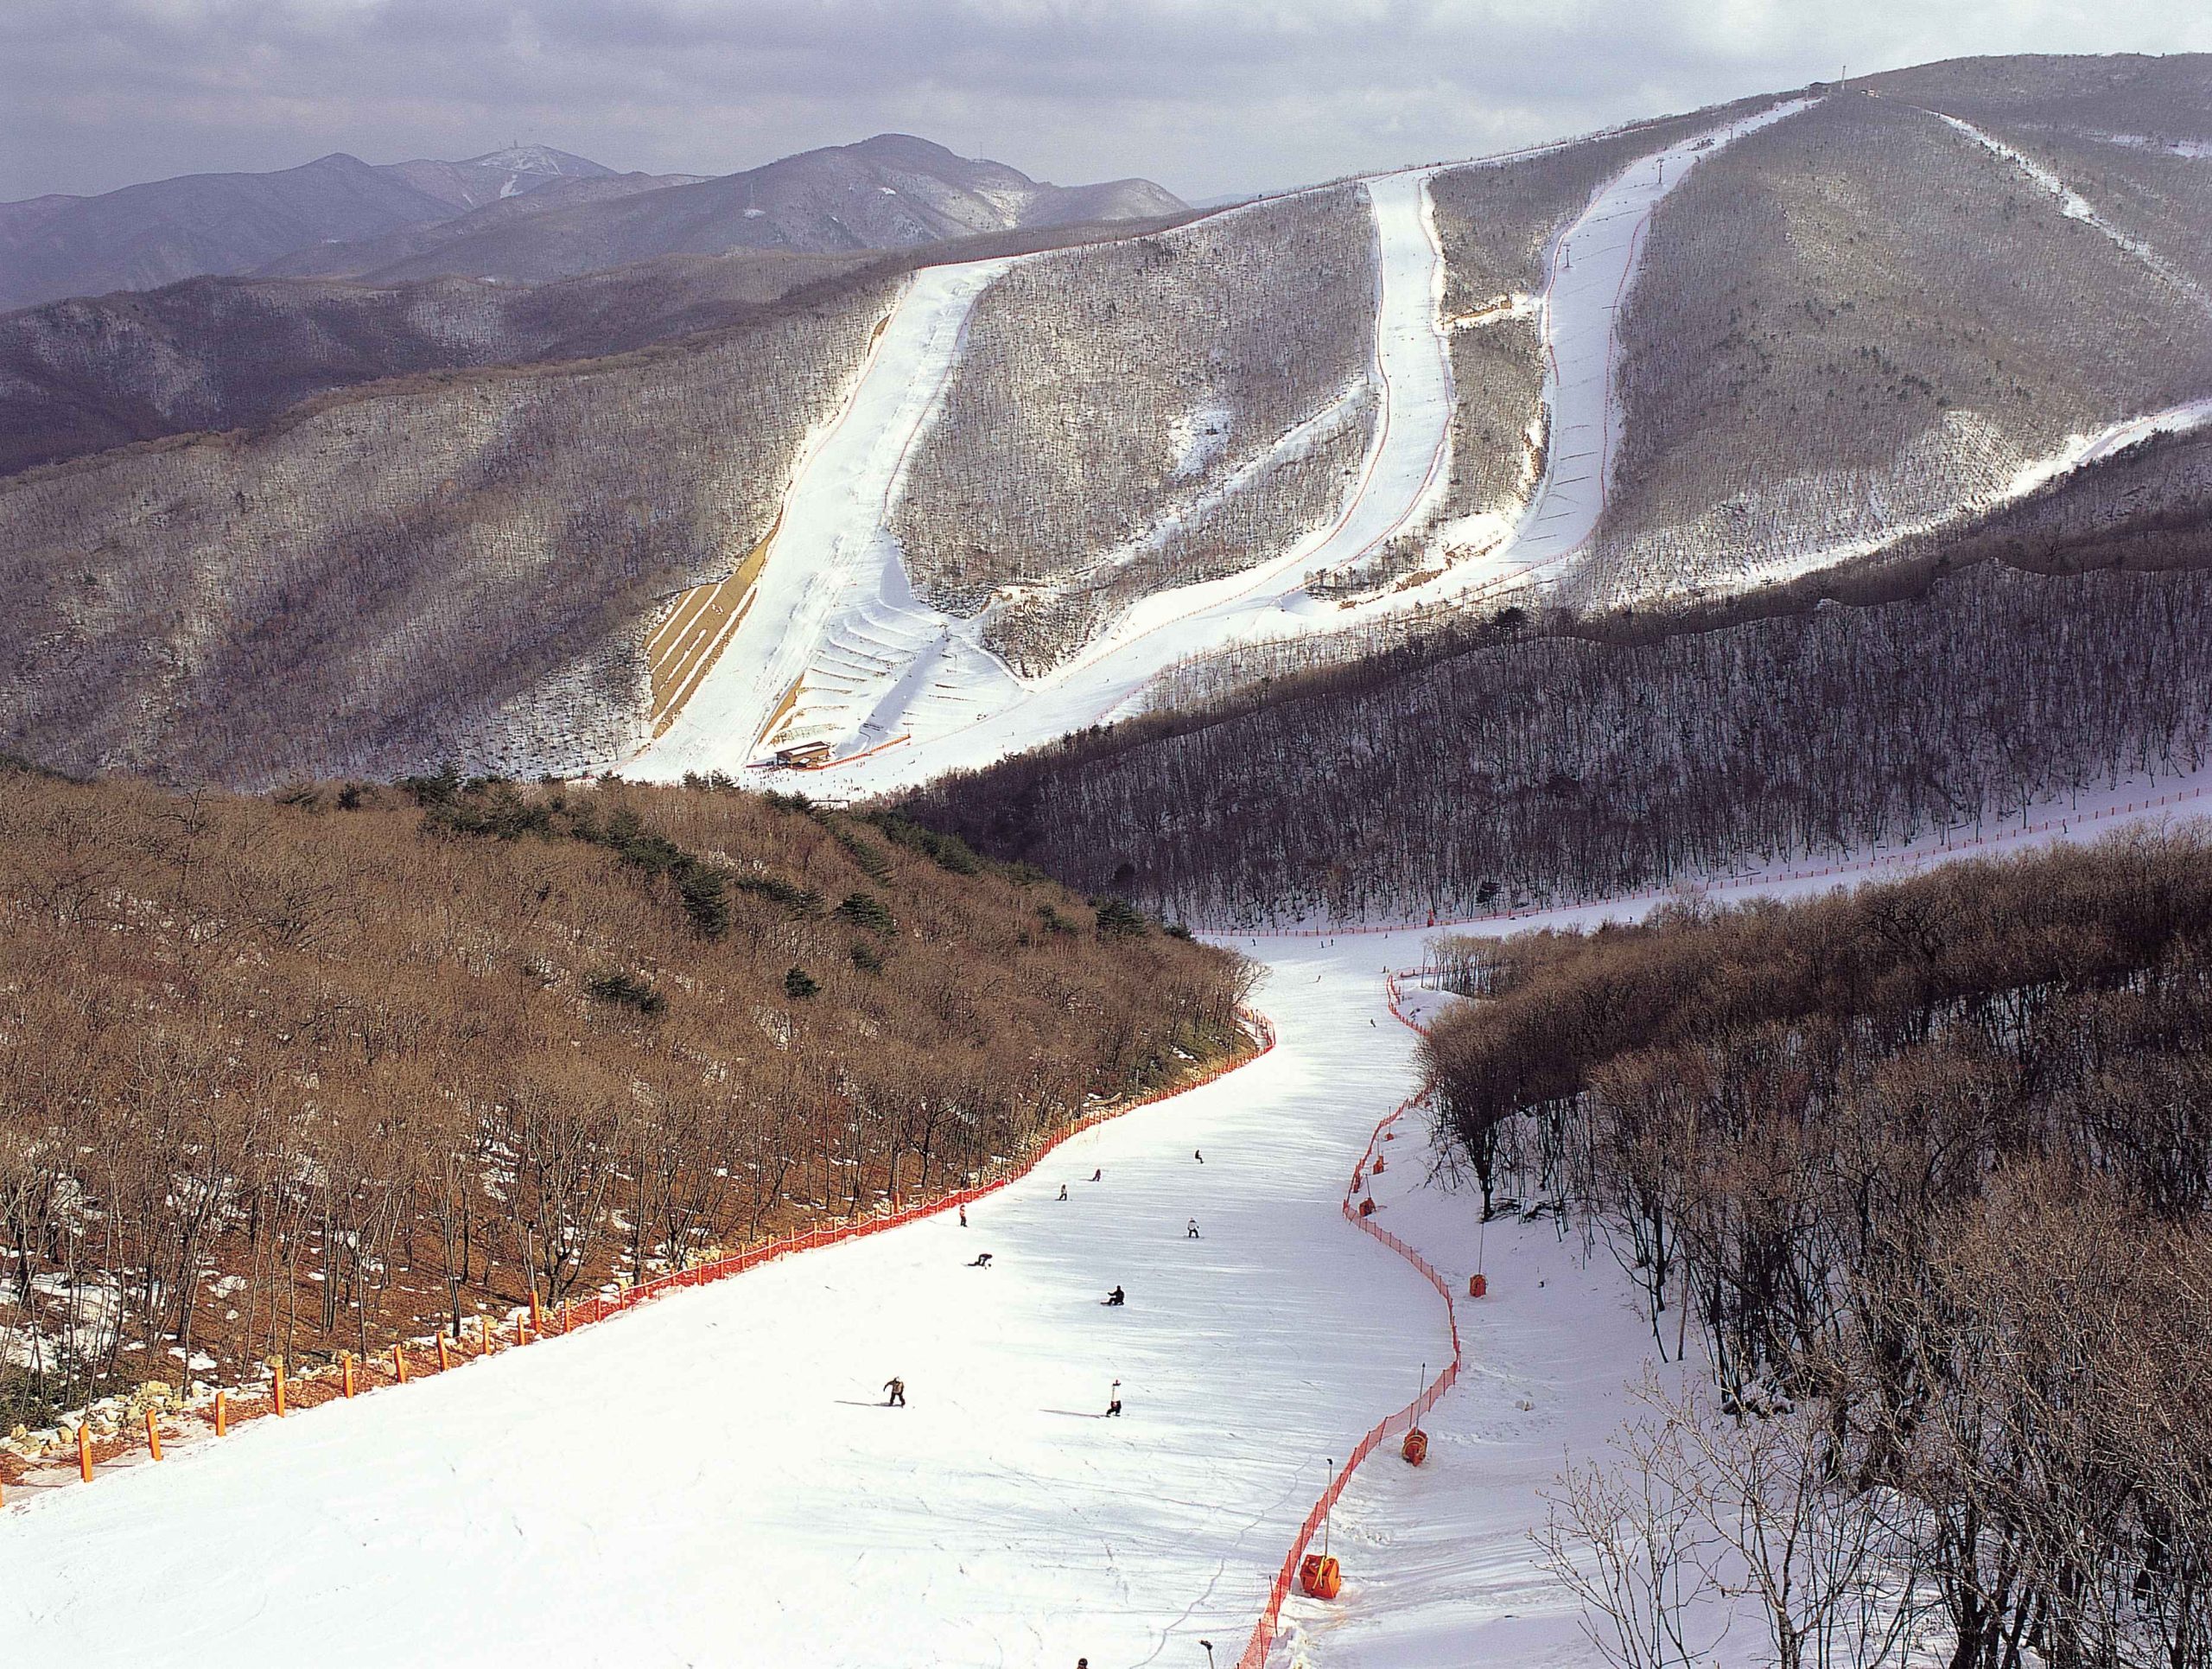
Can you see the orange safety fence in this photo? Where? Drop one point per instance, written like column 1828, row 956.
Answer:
column 1750, row 878
column 299, row 1391
column 1264, row 1632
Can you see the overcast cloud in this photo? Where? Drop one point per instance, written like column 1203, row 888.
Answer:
column 1208, row 96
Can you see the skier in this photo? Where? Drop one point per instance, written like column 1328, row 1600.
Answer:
column 981, row 1260
column 897, row 1388
column 1198, row 1154
column 1192, row 1231
column 1098, row 1175
column 1113, row 1402
column 963, row 1216
column 1063, row 1190
column 1116, row 1299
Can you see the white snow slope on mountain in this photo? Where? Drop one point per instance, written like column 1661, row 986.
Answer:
column 861, row 664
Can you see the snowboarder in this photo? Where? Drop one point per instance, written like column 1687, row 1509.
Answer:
column 1199, row 1154
column 981, row 1260
column 1191, row 1231
column 1116, row 1298
column 1063, row 1190
column 1113, row 1402
column 963, row 1216
column 1098, row 1175
column 897, row 1389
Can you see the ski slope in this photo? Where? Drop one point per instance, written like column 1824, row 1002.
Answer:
column 831, row 556
column 844, row 654
column 1588, row 272
column 713, row 1479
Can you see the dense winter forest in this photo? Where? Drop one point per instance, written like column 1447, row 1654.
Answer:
column 352, row 1064
column 216, row 354
column 1924, row 1174
column 1522, row 762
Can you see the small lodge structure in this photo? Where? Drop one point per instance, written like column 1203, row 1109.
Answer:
column 802, row 755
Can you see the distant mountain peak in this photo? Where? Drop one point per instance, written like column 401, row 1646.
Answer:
column 539, row 159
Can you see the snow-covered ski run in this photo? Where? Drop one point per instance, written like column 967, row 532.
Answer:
column 842, row 652
column 722, row 1465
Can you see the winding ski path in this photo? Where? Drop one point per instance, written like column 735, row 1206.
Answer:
column 714, row 1479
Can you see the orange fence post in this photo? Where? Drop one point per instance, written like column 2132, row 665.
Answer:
column 280, row 1387
column 84, row 1451
column 222, row 1415
column 345, row 1359
column 399, row 1364
column 445, row 1356
column 536, row 1314
column 485, row 1322
column 153, row 1435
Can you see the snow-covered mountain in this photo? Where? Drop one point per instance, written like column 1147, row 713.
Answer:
column 525, row 212
column 891, row 191
column 1685, row 360
column 144, row 236
column 476, row 180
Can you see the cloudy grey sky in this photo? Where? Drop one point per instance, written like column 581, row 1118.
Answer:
column 1206, row 96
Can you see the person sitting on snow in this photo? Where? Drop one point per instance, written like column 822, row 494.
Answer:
column 1116, row 1298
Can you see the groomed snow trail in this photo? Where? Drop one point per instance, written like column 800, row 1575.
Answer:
column 879, row 665
column 713, row 1479
column 1437, row 1564
column 1588, row 273
column 828, row 561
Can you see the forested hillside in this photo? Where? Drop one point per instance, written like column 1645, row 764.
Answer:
column 459, row 566
column 1920, row 1173
column 1142, row 413
column 1528, row 761
column 1498, row 224
column 315, row 1072
column 1859, row 320
column 216, row 354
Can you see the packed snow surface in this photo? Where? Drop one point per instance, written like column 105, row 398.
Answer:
column 1589, row 270
column 832, row 562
